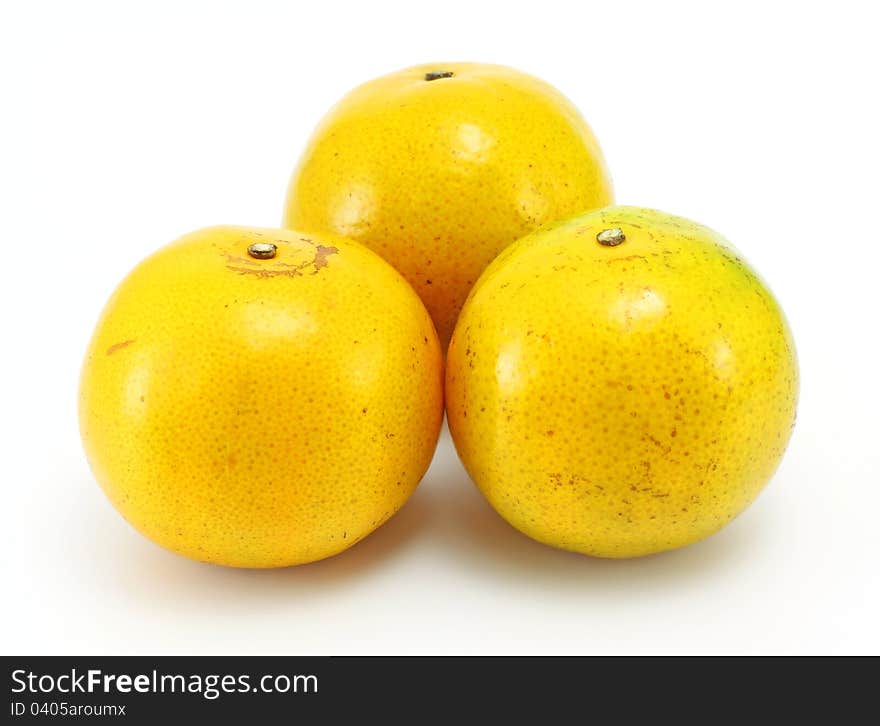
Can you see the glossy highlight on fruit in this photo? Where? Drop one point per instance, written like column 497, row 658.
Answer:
column 621, row 383
column 261, row 398
column 440, row 166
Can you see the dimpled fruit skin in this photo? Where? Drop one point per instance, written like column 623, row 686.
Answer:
column 261, row 412
column 439, row 176
column 620, row 401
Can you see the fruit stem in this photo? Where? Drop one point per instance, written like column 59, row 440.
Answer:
column 434, row 75
column 611, row 237
column 262, row 250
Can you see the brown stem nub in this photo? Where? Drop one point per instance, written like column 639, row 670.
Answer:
column 611, row 237
column 434, row 75
column 262, row 250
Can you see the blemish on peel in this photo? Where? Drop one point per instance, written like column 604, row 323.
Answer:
column 119, row 346
column 285, row 269
column 235, row 259
column 321, row 255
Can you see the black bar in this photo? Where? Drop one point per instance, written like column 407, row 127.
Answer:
column 262, row 690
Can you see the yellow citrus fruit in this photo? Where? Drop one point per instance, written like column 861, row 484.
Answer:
column 621, row 383
column 439, row 167
column 256, row 410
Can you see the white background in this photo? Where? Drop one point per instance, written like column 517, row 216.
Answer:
column 123, row 126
